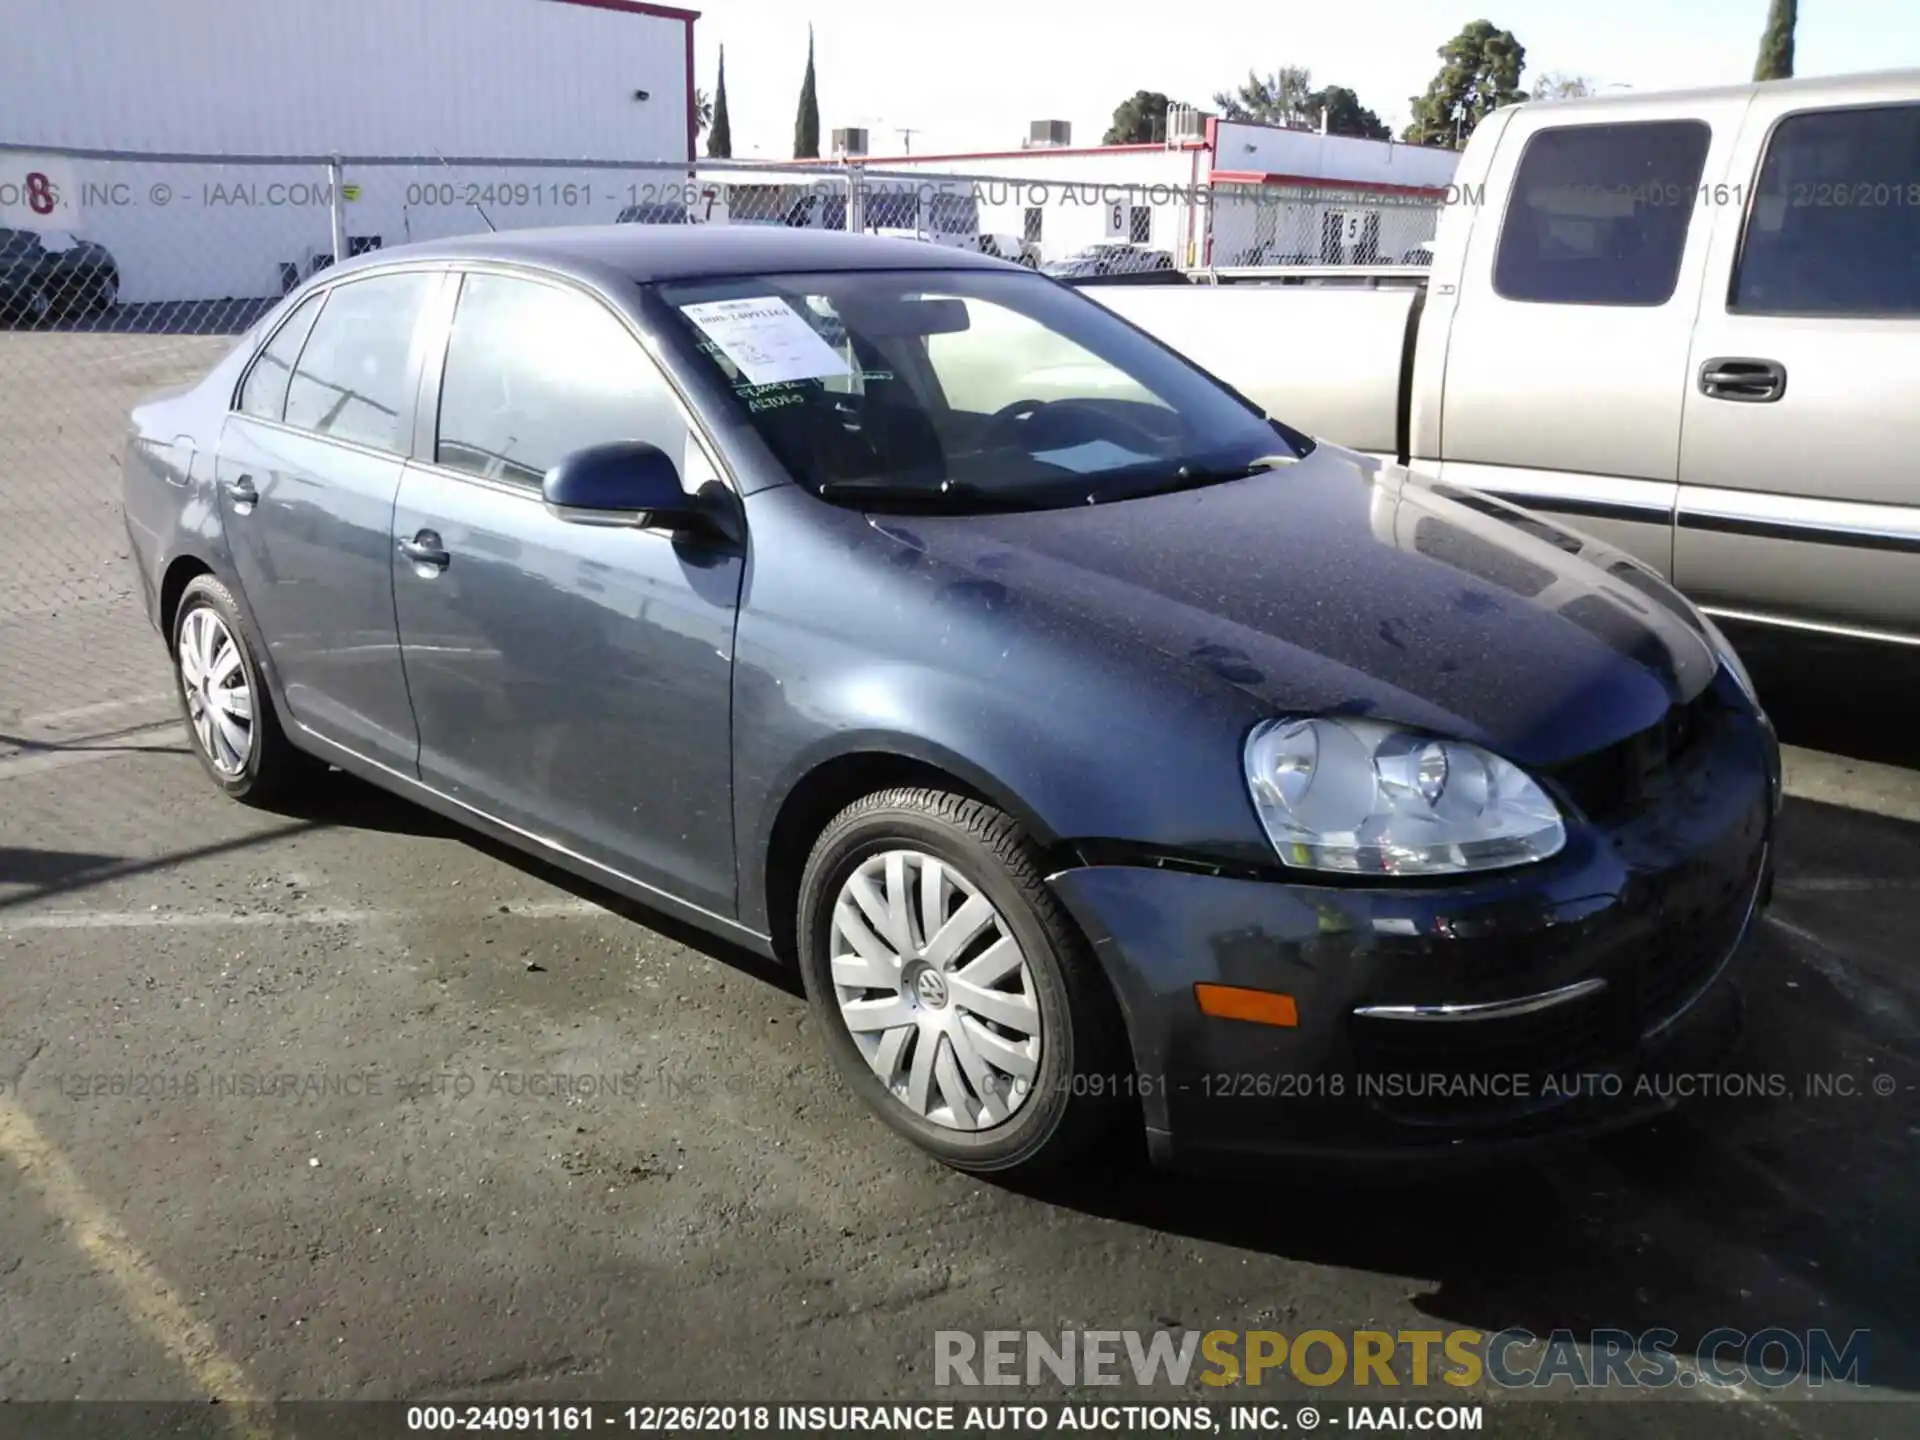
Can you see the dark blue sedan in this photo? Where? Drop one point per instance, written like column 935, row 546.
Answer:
column 1104, row 753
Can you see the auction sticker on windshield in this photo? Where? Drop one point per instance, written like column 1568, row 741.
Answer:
column 767, row 338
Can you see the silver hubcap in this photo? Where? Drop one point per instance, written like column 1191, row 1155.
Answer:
column 935, row 991
column 219, row 701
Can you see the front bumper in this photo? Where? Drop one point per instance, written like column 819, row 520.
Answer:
column 1457, row 1017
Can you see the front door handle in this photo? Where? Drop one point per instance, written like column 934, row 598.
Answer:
column 426, row 552
column 1751, row 381
column 245, row 496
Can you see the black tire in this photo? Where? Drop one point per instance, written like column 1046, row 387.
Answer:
column 274, row 771
column 1073, row 1103
column 105, row 293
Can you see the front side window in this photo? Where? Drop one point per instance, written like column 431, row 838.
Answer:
column 535, row 372
column 973, row 387
column 264, row 395
column 1834, row 226
column 1599, row 213
column 355, row 376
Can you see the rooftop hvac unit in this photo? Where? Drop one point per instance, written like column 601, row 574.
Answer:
column 849, row 141
column 1049, row 134
column 1185, row 123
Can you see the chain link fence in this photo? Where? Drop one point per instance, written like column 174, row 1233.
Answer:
column 123, row 274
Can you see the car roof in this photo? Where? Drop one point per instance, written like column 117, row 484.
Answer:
column 648, row 253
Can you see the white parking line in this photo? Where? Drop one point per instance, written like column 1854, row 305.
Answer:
column 38, row 762
column 60, row 719
column 268, row 919
column 1855, row 784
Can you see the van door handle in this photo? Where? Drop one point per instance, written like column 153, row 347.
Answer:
column 1752, row 381
column 245, row 497
column 426, row 552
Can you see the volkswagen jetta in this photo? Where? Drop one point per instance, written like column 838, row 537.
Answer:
column 1098, row 748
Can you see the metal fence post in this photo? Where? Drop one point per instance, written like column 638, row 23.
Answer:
column 337, row 205
column 856, row 199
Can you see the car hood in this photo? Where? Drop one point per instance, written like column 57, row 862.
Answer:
column 1335, row 585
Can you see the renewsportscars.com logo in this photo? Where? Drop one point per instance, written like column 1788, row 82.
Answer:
column 1510, row 1359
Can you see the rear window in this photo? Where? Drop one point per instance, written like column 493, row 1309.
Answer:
column 1599, row 213
column 1834, row 227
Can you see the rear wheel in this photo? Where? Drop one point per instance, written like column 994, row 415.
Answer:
column 230, row 716
column 956, row 996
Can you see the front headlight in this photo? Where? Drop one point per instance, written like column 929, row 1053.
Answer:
column 1366, row 798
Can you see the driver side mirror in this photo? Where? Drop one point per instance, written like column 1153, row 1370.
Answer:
column 626, row 483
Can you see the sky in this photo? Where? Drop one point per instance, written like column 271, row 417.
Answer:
column 968, row 75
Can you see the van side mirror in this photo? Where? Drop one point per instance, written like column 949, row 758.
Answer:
column 626, row 483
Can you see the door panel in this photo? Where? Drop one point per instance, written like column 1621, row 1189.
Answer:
column 575, row 681
column 1568, row 346
column 307, row 507
column 314, row 555
column 1805, row 504
column 572, row 680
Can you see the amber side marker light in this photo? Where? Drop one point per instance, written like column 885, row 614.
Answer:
column 1236, row 1002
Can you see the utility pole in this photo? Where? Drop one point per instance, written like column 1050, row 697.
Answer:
column 906, row 134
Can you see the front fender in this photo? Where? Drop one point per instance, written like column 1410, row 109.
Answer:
column 849, row 645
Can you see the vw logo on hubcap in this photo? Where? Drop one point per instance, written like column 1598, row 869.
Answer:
column 931, row 987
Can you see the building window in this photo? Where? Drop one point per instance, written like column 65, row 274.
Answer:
column 1031, row 230
column 1833, row 228
column 1599, row 213
column 1140, row 224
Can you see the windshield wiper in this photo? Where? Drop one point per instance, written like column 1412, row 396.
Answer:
column 1195, row 477
column 957, row 494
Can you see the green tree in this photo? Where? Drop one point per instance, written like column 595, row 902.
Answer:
column 806, row 123
column 1343, row 114
column 1277, row 99
column 1776, row 42
column 720, row 136
column 1139, row 119
column 1479, row 72
column 1556, row 85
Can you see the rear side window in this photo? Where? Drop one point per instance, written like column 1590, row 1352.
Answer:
column 1834, row 227
column 354, row 378
column 535, row 372
column 264, row 395
column 1599, row 213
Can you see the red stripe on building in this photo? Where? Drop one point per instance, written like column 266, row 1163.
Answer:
column 1321, row 182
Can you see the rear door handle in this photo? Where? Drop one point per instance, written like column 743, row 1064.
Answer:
column 245, row 497
column 1752, row 381
column 426, row 552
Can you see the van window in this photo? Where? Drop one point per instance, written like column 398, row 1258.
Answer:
column 1599, row 213
column 1834, row 224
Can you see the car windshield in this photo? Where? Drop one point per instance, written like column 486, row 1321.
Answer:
column 965, row 389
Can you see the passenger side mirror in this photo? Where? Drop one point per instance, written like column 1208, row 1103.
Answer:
column 627, row 483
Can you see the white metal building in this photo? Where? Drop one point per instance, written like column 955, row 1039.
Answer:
column 1228, row 193
column 534, row 80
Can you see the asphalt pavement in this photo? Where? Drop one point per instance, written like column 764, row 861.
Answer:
column 344, row 1103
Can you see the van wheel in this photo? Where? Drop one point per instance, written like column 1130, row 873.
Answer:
column 229, row 712
column 957, row 998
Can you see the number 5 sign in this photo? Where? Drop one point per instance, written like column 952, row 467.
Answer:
column 38, row 192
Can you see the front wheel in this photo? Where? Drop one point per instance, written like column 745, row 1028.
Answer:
column 229, row 712
column 956, row 996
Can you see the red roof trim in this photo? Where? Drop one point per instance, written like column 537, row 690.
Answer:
column 637, row 7
column 1319, row 182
